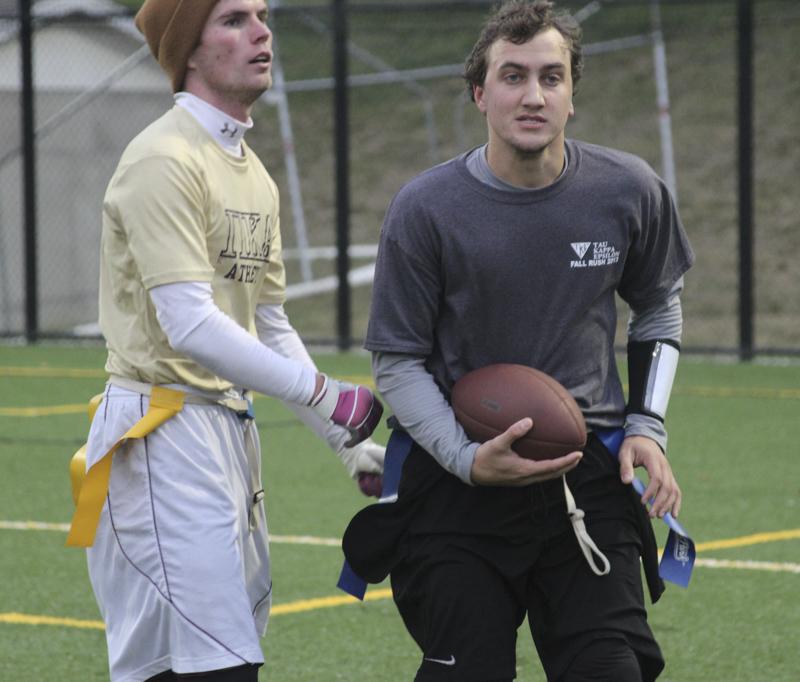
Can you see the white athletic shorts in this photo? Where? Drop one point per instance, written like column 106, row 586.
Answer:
column 180, row 564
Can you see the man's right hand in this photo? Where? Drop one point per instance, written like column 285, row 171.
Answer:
column 497, row 464
column 354, row 407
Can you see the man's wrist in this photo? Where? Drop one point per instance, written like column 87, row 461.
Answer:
column 650, row 427
column 319, row 384
column 465, row 461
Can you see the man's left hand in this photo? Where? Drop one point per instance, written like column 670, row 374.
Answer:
column 662, row 489
column 364, row 462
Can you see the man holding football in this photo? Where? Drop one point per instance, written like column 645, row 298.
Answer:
column 191, row 306
column 513, row 252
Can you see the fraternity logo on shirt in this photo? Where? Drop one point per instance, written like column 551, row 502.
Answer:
column 248, row 245
column 593, row 254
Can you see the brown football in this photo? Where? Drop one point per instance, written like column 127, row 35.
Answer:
column 490, row 399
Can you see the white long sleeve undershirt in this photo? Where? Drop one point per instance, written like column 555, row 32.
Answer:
column 195, row 326
column 276, row 364
column 276, row 332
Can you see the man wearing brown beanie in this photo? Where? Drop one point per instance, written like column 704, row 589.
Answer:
column 191, row 306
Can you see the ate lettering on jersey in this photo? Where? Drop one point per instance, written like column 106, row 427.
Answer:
column 248, row 245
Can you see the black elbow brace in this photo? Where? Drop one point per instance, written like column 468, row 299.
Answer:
column 651, row 371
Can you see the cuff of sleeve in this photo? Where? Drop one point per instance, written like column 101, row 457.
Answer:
column 650, row 427
column 464, row 463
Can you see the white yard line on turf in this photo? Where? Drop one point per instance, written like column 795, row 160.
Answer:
column 379, row 594
column 744, row 541
column 278, row 539
column 775, row 566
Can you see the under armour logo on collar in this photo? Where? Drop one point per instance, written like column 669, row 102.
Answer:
column 230, row 132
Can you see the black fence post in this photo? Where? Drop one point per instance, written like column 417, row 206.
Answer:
column 29, row 172
column 745, row 66
column 342, row 149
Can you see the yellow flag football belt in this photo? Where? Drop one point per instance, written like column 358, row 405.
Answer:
column 89, row 489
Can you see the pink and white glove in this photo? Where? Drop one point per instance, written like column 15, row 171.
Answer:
column 364, row 463
column 354, row 407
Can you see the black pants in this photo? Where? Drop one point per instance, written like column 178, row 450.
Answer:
column 476, row 560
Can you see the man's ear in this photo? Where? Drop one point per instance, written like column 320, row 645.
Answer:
column 191, row 63
column 571, row 108
column 477, row 95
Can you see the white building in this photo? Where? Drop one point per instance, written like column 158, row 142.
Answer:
column 96, row 87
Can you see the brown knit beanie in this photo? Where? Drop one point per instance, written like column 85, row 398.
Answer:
column 172, row 29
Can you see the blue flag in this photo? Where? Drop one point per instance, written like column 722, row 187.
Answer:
column 677, row 560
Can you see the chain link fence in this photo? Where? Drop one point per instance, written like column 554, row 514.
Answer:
column 660, row 81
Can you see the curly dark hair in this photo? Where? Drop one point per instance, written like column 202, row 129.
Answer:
column 518, row 21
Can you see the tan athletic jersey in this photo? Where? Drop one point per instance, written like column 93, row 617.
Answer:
column 180, row 209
